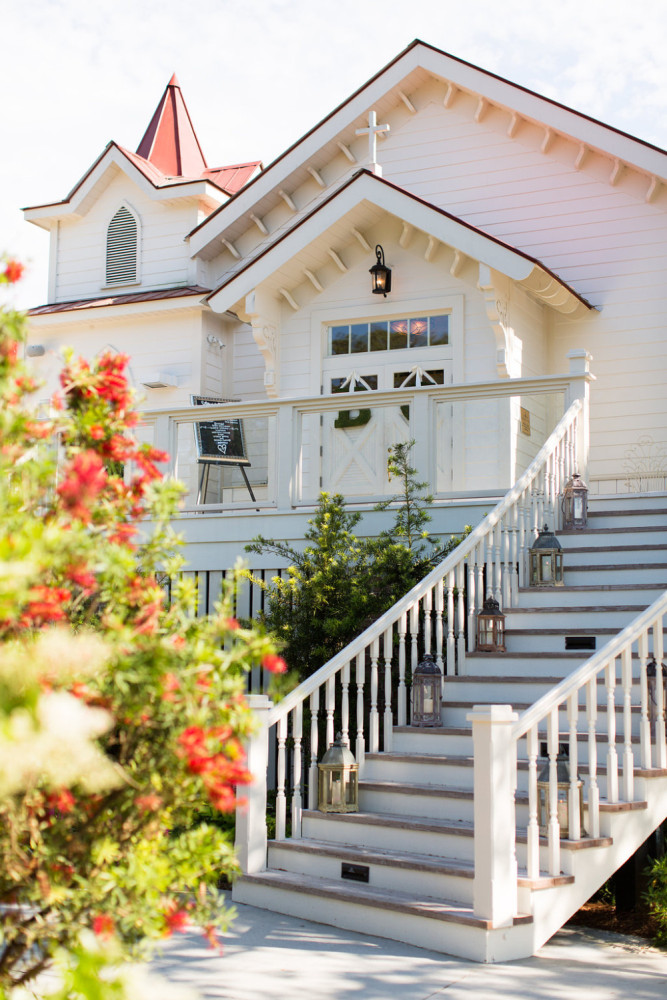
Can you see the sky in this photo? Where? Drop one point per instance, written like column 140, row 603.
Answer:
column 257, row 74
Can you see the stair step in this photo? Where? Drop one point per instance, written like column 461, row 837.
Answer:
column 378, row 856
column 364, row 895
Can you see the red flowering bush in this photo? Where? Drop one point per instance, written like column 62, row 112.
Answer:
column 122, row 714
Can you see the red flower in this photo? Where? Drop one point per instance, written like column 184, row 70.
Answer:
column 275, row 664
column 84, row 480
column 62, row 801
column 82, row 577
column 230, row 623
column 103, row 925
column 170, row 684
column 13, row 271
column 45, row 605
column 148, row 803
column 174, row 919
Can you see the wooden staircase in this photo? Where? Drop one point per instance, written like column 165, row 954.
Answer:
column 403, row 866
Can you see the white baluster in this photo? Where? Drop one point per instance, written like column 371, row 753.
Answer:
column 479, row 567
column 360, row 675
column 593, row 789
column 345, row 704
column 506, row 547
column 402, row 691
column 460, row 620
column 281, row 799
column 658, row 652
column 533, row 832
column 488, row 543
column 439, row 631
column 514, row 556
column 374, row 722
column 330, row 704
column 497, row 565
column 297, row 733
column 524, row 535
column 388, row 727
column 472, row 599
column 644, row 724
column 312, row 775
column 553, row 825
column 561, row 465
column 612, row 755
column 414, row 637
column 427, row 605
column 451, row 635
column 574, row 831
column 628, row 756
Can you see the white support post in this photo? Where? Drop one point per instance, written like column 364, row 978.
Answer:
column 495, row 885
column 165, row 438
column 580, row 364
column 286, row 433
column 251, row 836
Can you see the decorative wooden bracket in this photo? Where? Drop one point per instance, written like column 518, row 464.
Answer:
column 260, row 311
column 496, row 300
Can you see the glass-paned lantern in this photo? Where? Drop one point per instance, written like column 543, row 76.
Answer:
column 338, row 779
column 652, row 685
column 562, row 796
column 427, row 693
column 380, row 274
column 575, row 503
column 491, row 628
column 546, row 560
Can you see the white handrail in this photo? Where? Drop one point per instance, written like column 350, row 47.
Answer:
column 449, row 564
column 588, row 670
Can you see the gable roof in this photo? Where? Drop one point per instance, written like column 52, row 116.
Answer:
column 410, row 65
column 75, row 305
column 365, row 187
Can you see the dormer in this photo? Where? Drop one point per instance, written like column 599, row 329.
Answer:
column 123, row 225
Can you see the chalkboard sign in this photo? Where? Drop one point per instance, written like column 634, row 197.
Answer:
column 219, row 441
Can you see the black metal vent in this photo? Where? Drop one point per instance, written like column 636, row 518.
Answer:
column 580, row 642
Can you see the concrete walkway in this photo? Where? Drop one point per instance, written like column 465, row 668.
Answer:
column 269, row 956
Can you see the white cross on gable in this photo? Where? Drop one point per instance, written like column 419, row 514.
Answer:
column 372, row 132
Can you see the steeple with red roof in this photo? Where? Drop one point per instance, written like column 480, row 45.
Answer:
column 170, row 142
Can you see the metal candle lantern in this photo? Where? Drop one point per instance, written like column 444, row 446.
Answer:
column 652, row 685
column 380, row 274
column 562, row 797
column 546, row 560
column 491, row 628
column 338, row 779
column 574, row 504
column 427, row 693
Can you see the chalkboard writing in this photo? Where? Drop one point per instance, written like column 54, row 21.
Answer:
column 219, row 441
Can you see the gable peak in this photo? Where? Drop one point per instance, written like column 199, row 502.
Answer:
column 170, row 142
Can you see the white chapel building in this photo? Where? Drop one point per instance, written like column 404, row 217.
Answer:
column 518, row 336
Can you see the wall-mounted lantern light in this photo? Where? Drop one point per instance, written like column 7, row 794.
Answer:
column 380, row 274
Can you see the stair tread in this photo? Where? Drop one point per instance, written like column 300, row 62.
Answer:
column 402, row 902
column 614, row 530
column 562, row 609
column 402, row 788
column 581, row 588
column 459, row 827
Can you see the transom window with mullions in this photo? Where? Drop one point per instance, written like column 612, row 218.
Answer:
column 389, row 335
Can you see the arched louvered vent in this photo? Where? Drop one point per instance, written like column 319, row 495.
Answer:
column 122, row 247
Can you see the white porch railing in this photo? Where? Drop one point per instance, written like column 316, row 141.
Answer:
column 431, row 618
column 288, row 437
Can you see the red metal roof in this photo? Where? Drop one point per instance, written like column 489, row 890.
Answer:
column 232, row 179
column 170, row 142
column 118, row 300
